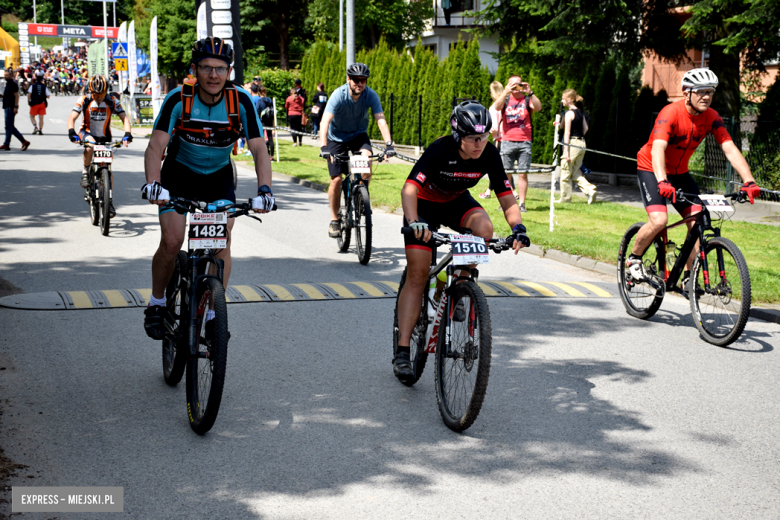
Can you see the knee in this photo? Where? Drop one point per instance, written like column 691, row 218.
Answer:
column 483, row 229
column 658, row 221
column 170, row 245
column 416, row 280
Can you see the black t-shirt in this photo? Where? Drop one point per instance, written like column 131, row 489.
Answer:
column 11, row 88
column 442, row 175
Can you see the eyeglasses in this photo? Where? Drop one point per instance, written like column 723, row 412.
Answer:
column 476, row 138
column 358, row 80
column 705, row 92
column 221, row 71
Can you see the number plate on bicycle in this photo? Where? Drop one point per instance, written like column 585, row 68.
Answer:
column 359, row 164
column 208, row 231
column 717, row 203
column 103, row 154
column 468, row 249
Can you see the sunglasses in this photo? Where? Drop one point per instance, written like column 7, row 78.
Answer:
column 358, row 80
column 476, row 138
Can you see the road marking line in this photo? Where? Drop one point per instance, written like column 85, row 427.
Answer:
column 489, row 291
column 115, row 298
column 541, row 289
column 569, row 289
column 80, row 299
column 249, row 293
column 146, row 294
column 282, row 293
column 340, row 290
column 595, row 289
column 512, row 288
column 394, row 285
column 370, row 289
column 313, row 293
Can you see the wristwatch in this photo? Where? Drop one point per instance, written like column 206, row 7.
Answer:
column 530, row 94
column 389, row 143
column 264, row 189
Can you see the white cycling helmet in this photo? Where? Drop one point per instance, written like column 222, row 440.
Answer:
column 39, row 73
column 696, row 79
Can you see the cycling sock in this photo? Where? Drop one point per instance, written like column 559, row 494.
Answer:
column 157, row 301
column 209, row 315
column 632, row 256
column 686, row 275
column 403, row 349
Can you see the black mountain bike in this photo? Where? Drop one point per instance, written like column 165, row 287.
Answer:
column 355, row 210
column 192, row 343
column 719, row 286
column 454, row 325
column 98, row 195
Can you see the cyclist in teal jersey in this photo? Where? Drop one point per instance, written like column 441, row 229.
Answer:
column 199, row 123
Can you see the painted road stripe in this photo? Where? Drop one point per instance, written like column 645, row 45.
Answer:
column 311, row 291
column 598, row 291
column 370, row 289
column 249, row 293
column 541, row 289
column 280, row 292
column 512, row 288
column 145, row 295
column 80, row 299
column 488, row 290
column 393, row 285
column 116, row 298
column 569, row 289
column 340, row 290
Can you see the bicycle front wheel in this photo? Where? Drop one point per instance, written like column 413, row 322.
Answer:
column 463, row 358
column 92, row 199
column 363, row 224
column 417, row 353
column 720, row 312
column 174, row 355
column 104, row 182
column 345, row 227
column 640, row 298
column 206, row 370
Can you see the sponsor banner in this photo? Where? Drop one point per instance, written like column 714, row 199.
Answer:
column 83, row 31
column 144, row 109
column 122, row 37
column 156, row 87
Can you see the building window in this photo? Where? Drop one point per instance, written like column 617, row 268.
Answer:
column 462, row 5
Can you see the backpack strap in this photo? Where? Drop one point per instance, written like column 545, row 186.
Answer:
column 187, row 98
column 232, row 106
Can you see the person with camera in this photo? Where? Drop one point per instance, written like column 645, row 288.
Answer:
column 516, row 106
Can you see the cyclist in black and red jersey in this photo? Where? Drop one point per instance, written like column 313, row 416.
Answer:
column 435, row 194
column 662, row 163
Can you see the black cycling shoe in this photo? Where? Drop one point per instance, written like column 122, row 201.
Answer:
column 684, row 287
column 111, row 210
column 402, row 367
column 154, row 321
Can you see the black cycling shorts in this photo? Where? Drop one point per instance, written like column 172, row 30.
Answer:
column 180, row 181
column 654, row 202
column 451, row 214
column 360, row 142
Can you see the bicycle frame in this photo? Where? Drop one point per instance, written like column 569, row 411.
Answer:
column 198, row 262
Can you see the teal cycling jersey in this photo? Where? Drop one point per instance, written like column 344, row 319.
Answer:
column 206, row 157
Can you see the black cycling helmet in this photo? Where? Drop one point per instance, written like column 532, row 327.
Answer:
column 212, row 47
column 359, row 69
column 470, row 118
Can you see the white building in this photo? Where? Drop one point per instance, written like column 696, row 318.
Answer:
column 440, row 35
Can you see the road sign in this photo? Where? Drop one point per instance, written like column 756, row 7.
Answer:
column 119, row 50
column 120, row 63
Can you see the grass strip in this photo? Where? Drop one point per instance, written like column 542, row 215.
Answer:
column 593, row 231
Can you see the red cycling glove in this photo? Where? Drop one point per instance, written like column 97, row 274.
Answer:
column 751, row 189
column 666, row 190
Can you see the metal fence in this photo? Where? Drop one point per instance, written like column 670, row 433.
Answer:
column 760, row 144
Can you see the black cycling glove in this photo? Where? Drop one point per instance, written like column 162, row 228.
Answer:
column 324, row 152
column 390, row 151
column 73, row 136
column 128, row 137
column 518, row 233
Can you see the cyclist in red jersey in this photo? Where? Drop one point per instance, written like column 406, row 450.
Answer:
column 662, row 163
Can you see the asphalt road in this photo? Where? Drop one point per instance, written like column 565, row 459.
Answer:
column 589, row 413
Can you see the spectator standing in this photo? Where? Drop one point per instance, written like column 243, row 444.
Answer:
column 446, row 6
column 496, row 90
column 11, row 108
column 575, row 127
column 294, row 106
column 516, row 106
column 301, row 91
column 319, row 101
column 37, row 95
column 265, row 110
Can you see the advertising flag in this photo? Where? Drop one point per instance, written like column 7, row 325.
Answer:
column 122, row 39
column 156, row 87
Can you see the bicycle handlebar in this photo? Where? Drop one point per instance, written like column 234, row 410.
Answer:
column 496, row 244
column 740, row 196
column 182, row 205
column 88, row 144
column 344, row 157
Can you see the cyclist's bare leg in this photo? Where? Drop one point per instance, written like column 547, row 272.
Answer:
column 418, row 263
column 367, row 176
column 224, row 255
column 164, row 262
column 480, row 225
column 689, row 263
column 88, row 153
column 334, row 194
column 656, row 221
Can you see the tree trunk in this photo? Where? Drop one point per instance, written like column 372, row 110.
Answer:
column 283, row 28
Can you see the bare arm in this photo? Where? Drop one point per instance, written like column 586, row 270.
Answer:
column 324, row 125
column 738, row 161
column 381, row 122
column 513, row 217
column 153, row 158
column 659, row 159
column 125, row 121
column 72, row 119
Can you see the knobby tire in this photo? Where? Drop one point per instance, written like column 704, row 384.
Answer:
column 92, row 198
column 641, row 300
column 363, row 224
column 345, row 229
column 174, row 348
column 105, row 200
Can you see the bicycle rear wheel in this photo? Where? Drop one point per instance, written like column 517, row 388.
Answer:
column 92, row 198
column 206, row 370
column 104, row 182
column 417, row 353
column 463, row 366
column 345, row 229
column 641, row 299
column 363, row 224
column 174, row 349
column 720, row 313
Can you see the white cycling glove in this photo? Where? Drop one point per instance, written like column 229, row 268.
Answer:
column 418, row 226
column 264, row 200
column 155, row 191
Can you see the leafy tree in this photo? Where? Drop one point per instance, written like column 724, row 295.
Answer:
column 176, row 31
column 77, row 12
column 285, row 17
